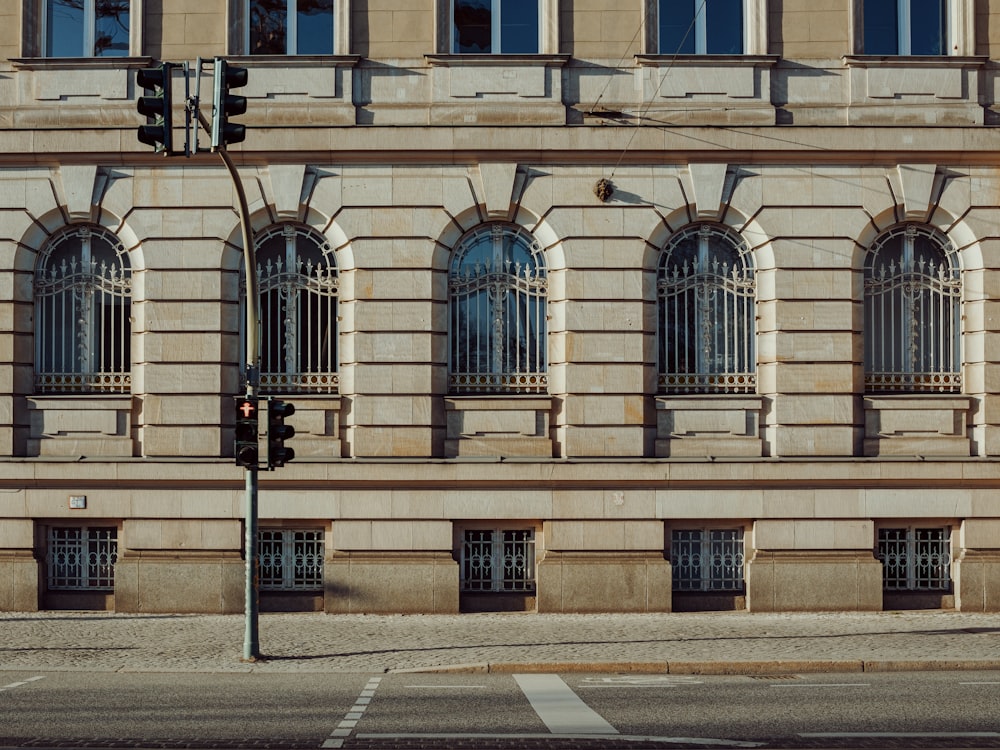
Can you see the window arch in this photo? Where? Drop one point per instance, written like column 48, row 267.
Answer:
column 82, row 299
column 912, row 312
column 706, row 293
column 497, row 290
column 299, row 288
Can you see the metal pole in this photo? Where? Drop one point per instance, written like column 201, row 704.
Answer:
column 251, row 638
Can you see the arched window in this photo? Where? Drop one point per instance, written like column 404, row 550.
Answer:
column 496, row 297
column 707, row 323
column 82, row 295
column 297, row 276
column 912, row 312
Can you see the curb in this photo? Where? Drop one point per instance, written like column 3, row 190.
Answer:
column 733, row 668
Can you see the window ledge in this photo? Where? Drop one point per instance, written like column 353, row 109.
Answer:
column 78, row 63
column 479, row 60
column 294, row 61
column 716, row 60
column 913, row 61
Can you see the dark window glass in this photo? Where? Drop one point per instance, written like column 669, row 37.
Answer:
column 677, row 27
column 473, row 28
column 268, row 27
column 519, row 27
column 314, row 24
column 928, row 27
column 881, row 27
column 724, row 34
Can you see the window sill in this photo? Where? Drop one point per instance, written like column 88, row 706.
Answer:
column 479, row 60
column 78, row 63
column 736, row 61
column 294, row 61
column 913, row 61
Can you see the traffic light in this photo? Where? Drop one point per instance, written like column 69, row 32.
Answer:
column 246, row 451
column 278, row 432
column 157, row 105
column 227, row 105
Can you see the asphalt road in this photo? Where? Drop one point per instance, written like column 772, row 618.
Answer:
column 404, row 710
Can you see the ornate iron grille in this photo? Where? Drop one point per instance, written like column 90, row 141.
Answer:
column 83, row 290
column 912, row 313
column 81, row 558
column 499, row 560
column 299, row 289
column 707, row 328
column 497, row 293
column 290, row 559
column 707, row 559
column 915, row 559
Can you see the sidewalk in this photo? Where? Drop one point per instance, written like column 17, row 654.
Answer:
column 706, row 643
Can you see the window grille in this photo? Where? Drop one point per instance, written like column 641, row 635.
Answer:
column 499, row 561
column 290, row 27
column 86, row 28
column 912, row 313
column 915, row 559
column 497, row 295
column 906, row 27
column 707, row 325
column 495, row 26
column 290, row 559
column 81, row 558
column 707, row 559
column 699, row 27
column 83, row 289
column 299, row 288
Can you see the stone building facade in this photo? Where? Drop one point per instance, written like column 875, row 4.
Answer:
column 582, row 305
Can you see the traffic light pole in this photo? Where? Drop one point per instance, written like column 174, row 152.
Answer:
column 251, row 631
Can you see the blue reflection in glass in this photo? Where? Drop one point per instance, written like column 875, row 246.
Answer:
column 64, row 28
column 677, row 27
column 881, row 27
column 111, row 28
column 314, row 27
column 725, row 27
column 268, row 27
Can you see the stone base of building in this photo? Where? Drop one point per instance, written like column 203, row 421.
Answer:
column 391, row 583
column 19, row 581
column 814, row 581
column 977, row 581
column 604, row 582
column 210, row 583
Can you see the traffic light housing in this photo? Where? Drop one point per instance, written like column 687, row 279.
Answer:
column 226, row 105
column 157, row 105
column 278, row 432
column 246, row 450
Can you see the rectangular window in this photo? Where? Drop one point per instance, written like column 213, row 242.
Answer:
column 290, row 27
column 86, row 28
column 915, row 559
column 701, row 27
column 290, row 559
column 509, row 27
column 81, row 558
column 905, row 27
column 498, row 560
column 707, row 559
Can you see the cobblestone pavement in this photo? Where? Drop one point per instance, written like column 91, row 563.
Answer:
column 734, row 642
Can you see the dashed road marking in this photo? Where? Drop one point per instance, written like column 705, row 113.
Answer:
column 13, row 685
column 354, row 714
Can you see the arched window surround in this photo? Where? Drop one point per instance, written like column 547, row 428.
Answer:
column 912, row 312
column 706, row 313
column 299, row 291
column 82, row 309
column 497, row 316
